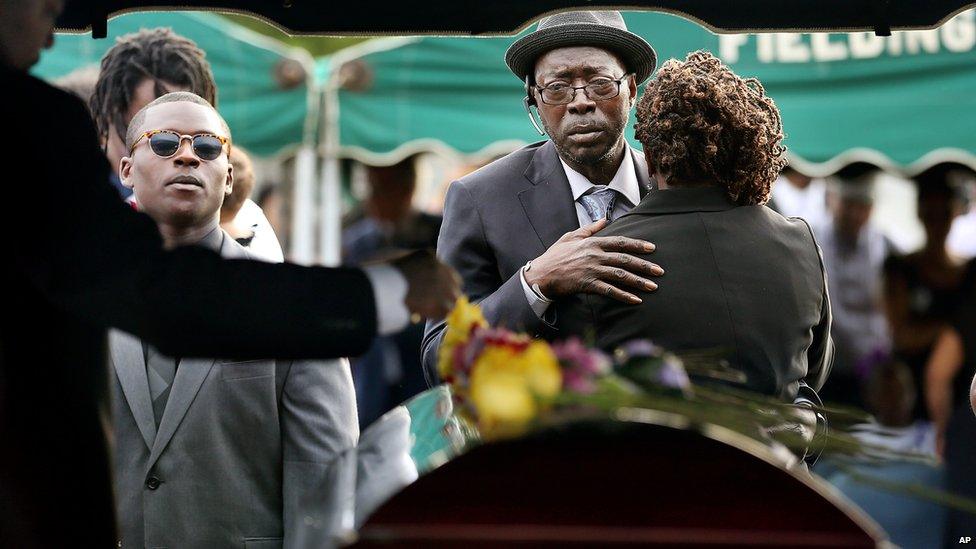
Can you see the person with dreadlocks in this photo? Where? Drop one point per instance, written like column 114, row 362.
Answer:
column 743, row 281
column 140, row 67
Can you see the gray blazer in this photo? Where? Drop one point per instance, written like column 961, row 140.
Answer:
column 496, row 220
column 238, row 446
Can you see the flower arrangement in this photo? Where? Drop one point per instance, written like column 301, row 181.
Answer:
column 501, row 378
column 504, row 383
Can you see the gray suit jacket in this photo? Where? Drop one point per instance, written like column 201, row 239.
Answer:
column 238, row 446
column 496, row 220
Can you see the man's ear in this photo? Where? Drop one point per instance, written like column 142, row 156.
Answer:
column 229, row 183
column 125, row 171
column 632, row 85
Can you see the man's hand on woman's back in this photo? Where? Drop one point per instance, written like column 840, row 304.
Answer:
column 580, row 262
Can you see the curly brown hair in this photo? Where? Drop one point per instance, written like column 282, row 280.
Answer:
column 699, row 122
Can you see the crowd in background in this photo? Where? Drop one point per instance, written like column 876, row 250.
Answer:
column 904, row 332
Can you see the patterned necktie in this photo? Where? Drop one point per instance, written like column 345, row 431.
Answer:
column 161, row 371
column 598, row 202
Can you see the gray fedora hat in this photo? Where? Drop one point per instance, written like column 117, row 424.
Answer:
column 602, row 29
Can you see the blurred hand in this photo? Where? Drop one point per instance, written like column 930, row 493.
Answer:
column 802, row 423
column 432, row 287
column 797, row 432
column 582, row 263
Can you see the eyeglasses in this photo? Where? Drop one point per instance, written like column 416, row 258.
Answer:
column 598, row 89
column 165, row 143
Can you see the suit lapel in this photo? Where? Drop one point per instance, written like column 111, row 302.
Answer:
column 548, row 203
column 130, row 368
column 191, row 373
column 189, row 377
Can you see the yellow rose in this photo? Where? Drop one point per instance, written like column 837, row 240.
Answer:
column 500, row 392
column 463, row 318
column 541, row 369
column 508, row 386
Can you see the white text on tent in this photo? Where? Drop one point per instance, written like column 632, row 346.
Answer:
column 956, row 35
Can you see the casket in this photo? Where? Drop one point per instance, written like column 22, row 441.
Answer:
column 642, row 478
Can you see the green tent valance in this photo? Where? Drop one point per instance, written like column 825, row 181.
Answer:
column 903, row 102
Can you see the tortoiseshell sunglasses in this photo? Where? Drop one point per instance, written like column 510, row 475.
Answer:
column 165, row 143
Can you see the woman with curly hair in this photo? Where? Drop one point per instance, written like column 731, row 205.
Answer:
column 743, row 282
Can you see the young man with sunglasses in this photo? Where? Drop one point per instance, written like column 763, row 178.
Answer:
column 184, row 477
column 95, row 263
column 140, row 67
column 520, row 231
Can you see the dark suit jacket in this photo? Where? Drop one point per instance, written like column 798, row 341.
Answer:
column 81, row 260
column 743, row 279
column 497, row 219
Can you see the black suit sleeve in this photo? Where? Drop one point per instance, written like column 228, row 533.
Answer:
column 94, row 257
column 462, row 244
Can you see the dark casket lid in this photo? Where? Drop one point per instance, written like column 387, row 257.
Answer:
column 621, row 482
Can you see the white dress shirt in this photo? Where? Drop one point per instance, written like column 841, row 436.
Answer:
column 389, row 291
column 628, row 189
column 265, row 243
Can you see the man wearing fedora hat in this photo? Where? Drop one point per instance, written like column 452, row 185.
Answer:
column 520, row 230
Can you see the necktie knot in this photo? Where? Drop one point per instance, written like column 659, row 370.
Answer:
column 598, row 202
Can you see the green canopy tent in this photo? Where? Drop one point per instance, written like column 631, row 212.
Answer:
column 901, row 102
column 265, row 88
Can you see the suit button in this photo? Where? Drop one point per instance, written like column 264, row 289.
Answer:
column 152, row 483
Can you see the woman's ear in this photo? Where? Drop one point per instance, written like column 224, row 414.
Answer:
column 651, row 166
column 656, row 178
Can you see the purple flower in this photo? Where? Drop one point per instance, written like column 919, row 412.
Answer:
column 639, row 348
column 672, row 374
column 581, row 365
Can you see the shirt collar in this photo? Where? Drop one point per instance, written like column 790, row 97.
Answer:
column 624, row 181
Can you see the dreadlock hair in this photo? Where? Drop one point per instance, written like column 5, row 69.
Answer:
column 698, row 122
column 157, row 54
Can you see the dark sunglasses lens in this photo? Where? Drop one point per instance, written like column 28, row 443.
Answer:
column 164, row 144
column 207, row 147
